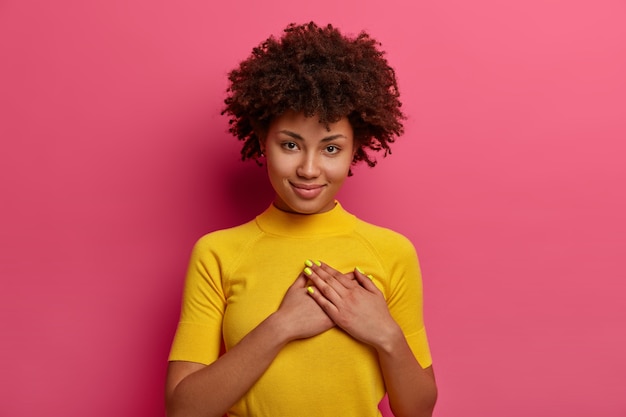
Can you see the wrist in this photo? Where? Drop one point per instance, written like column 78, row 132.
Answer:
column 389, row 340
column 279, row 328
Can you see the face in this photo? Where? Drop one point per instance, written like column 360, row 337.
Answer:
column 307, row 163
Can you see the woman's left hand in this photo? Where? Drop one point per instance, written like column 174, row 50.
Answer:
column 353, row 302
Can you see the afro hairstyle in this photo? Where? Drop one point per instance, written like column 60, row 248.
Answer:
column 320, row 72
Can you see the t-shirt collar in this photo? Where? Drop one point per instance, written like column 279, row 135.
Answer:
column 332, row 222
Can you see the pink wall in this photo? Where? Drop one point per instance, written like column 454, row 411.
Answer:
column 510, row 182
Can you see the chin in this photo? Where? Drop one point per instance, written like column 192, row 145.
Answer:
column 308, row 208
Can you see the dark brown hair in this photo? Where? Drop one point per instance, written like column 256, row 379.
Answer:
column 317, row 71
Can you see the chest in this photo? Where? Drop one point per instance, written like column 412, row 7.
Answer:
column 257, row 281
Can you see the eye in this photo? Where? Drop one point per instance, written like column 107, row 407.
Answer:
column 332, row 149
column 292, row 146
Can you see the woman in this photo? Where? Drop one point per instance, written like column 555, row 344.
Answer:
column 320, row 313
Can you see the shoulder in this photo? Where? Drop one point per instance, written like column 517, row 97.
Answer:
column 384, row 239
column 395, row 254
column 392, row 249
column 230, row 239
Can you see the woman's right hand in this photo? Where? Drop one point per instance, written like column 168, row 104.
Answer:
column 300, row 316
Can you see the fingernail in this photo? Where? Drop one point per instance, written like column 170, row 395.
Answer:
column 310, row 290
column 308, row 271
column 371, row 277
column 360, row 270
column 308, row 262
column 318, row 263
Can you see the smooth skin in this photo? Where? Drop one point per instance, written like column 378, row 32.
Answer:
column 307, row 163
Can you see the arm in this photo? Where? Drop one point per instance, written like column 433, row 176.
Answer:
column 358, row 307
column 193, row 389
column 412, row 390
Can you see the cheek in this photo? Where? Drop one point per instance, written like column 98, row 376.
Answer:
column 277, row 167
column 339, row 172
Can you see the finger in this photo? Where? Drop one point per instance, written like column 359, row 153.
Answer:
column 366, row 281
column 301, row 281
column 326, row 284
column 346, row 280
column 329, row 308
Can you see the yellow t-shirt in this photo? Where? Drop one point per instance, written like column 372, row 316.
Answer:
column 237, row 277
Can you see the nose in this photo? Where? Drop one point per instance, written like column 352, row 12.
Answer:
column 308, row 167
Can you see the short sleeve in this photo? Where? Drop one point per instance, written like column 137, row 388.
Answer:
column 198, row 336
column 405, row 299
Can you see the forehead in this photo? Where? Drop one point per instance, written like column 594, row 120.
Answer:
column 309, row 126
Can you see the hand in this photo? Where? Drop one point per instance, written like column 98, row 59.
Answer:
column 354, row 303
column 301, row 316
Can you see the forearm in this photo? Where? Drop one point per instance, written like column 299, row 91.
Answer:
column 411, row 389
column 213, row 389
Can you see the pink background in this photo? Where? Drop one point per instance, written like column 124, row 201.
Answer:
column 510, row 182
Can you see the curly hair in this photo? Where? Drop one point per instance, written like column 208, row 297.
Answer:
column 317, row 71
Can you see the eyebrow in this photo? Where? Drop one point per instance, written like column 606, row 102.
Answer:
column 297, row 136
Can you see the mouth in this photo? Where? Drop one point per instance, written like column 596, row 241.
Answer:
column 307, row 191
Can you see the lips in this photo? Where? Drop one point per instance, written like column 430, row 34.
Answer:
column 307, row 191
